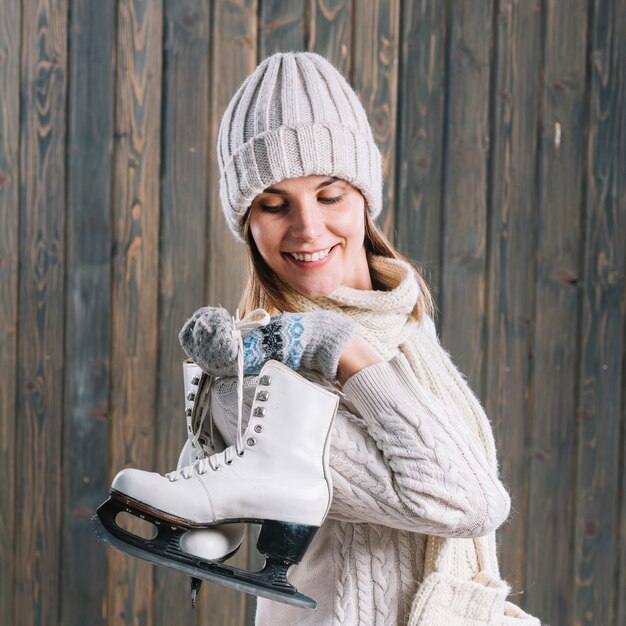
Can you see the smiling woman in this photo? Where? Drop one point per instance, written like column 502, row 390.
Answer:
column 301, row 184
column 365, row 466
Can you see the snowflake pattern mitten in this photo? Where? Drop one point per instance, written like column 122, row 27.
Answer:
column 312, row 340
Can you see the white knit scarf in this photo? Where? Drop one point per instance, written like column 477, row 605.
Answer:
column 383, row 316
column 462, row 584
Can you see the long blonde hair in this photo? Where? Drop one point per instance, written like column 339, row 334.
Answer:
column 267, row 290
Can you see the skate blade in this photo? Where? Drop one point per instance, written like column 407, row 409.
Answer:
column 212, row 571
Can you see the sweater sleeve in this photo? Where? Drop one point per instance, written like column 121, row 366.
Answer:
column 398, row 459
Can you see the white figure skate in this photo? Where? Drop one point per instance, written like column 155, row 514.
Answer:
column 277, row 475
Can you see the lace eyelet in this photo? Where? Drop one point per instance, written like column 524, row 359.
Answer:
column 228, row 462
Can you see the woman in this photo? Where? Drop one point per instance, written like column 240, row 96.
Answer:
column 409, row 537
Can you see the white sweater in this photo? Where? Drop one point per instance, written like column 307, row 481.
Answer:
column 412, row 455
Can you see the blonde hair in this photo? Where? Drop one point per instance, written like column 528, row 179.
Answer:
column 267, row 290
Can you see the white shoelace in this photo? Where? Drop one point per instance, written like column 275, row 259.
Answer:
column 226, row 457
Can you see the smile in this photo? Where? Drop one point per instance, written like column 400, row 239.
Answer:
column 308, row 257
column 311, row 260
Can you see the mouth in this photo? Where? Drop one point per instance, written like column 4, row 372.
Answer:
column 310, row 259
column 307, row 257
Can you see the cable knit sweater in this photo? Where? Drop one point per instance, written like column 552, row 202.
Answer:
column 413, row 463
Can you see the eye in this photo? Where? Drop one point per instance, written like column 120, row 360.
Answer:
column 331, row 200
column 273, row 208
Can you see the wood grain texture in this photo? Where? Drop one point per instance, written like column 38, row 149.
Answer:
column 181, row 257
column 10, row 27
column 620, row 617
column 39, row 447
column 233, row 57
column 620, row 582
column 509, row 284
column 88, row 307
column 466, row 157
column 602, row 336
column 420, row 135
column 281, row 26
column 135, row 278
column 375, row 78
column 329, row 28
column 552, row 416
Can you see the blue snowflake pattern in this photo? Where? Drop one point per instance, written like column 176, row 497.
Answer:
column 252, row 361
column 293, row 333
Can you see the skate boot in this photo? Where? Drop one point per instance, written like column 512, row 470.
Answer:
column 276, row 475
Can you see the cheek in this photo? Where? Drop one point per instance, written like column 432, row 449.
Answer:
column 267, row 238
column 351, row 225
column 256, row 230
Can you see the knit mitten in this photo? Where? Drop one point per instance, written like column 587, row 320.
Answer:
column 206, row 337
column 312, row 340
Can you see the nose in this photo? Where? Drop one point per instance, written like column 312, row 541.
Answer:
column 306, row 221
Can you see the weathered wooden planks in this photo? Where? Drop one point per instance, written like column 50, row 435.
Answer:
column 511, row 200
column 88, row 307
column 419, row 133
column 281, row 27
column 555, row 318
column 135, row 278
column 329, row 28
column 466, row 157
column 10, row 27
column 183, row 227
column 39, row 449
column 600, row 390
column 375, row 78
column 233, row 57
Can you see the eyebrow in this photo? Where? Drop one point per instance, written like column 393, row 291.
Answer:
column 324, row 183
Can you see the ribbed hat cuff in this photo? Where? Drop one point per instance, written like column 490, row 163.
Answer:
column 300, row 150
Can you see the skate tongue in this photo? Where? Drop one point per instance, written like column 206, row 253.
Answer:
column 239, row 325
column 204, row 408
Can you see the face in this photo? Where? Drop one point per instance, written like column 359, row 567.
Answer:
column 310, row 231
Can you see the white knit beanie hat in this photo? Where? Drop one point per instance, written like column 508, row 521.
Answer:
column 295, row 115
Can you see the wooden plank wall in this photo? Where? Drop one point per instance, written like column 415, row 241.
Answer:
column 502, row 125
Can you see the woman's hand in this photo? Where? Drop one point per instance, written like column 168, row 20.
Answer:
column 314, row 340
column 356, row 355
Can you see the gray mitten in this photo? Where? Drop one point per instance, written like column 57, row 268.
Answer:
column 207, row 339
column 312, row 340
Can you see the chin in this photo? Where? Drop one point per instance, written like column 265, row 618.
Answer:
column 315, row 291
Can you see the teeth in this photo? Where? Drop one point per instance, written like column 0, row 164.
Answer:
column 316, row 256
